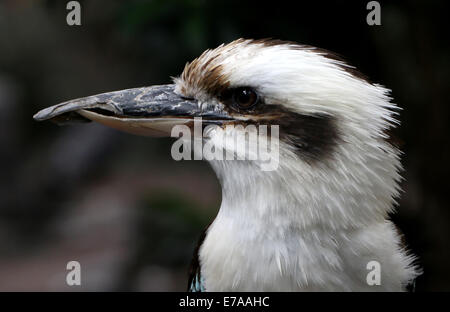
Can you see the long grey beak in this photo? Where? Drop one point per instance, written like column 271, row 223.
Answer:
column 149, row 111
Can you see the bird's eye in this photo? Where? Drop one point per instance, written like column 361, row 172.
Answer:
column 245, row 98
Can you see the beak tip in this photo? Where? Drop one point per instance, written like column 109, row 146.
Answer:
column 42, row 115
column 38, row 116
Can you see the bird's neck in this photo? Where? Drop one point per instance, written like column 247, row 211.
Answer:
column 275, row 223
column 256, row 198
column 340, row 194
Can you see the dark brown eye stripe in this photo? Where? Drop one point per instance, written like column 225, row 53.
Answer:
column 313, row 137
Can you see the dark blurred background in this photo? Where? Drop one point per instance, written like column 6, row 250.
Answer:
column 119, row 204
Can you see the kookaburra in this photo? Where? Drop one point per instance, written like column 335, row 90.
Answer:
column 320, row 221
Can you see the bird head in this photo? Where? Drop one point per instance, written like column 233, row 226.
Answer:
column 334, row 157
